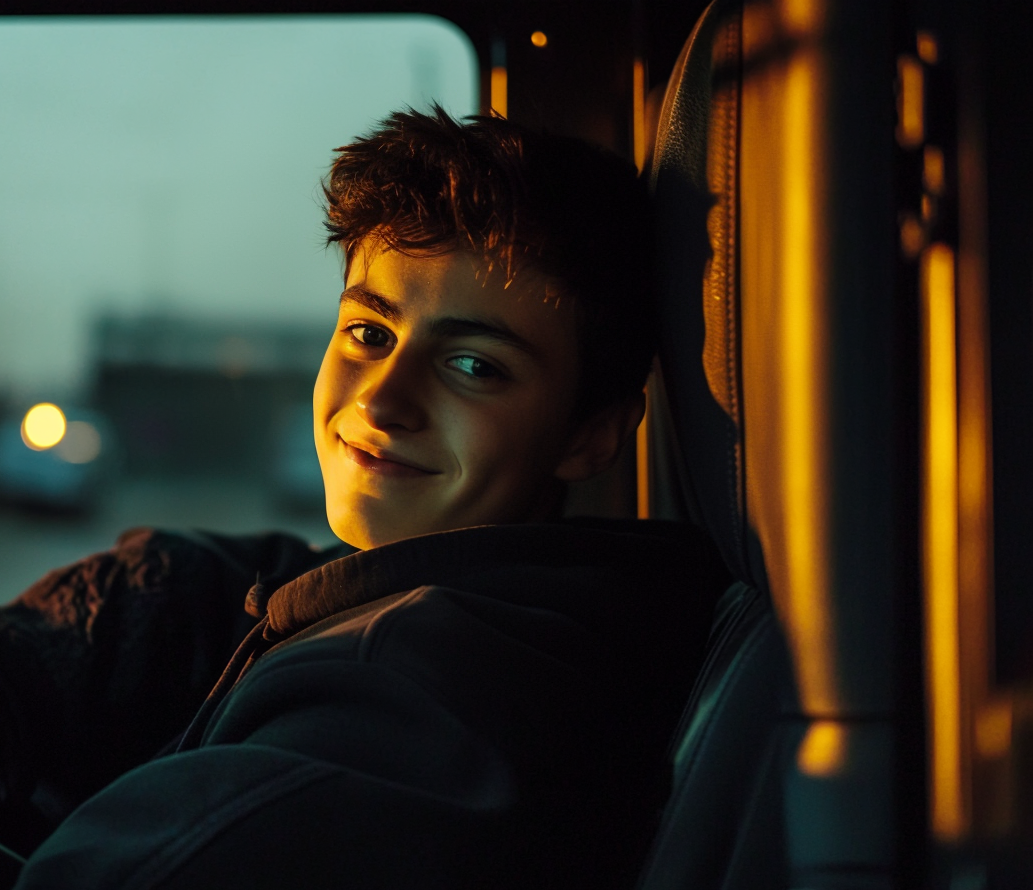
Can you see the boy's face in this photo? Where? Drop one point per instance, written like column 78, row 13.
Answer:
column 444, row 399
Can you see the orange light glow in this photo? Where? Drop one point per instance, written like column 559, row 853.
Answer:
column 822, row 753
column 928, row 48
column 933, row 169
column 910, row 102
column 800, row 16
column 940, row 539
column 539, row 39
column 499, row 90
column 912, row 236
column 642, row 468
column 783, row 192
column 993, row 729
column 638, row 112
column 802, row 387
column 988, row 772
column 43, row 426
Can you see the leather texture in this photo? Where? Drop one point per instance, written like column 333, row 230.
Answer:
column 723, row 826
column 695, row 185
column 775, row 282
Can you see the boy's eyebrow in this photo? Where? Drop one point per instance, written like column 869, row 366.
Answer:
column 450, row 326
column 374, row 302
column 479, row 327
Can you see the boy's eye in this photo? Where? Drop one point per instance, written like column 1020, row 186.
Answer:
column 370, row 335
column 474, row 367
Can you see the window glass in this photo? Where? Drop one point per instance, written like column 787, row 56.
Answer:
column 162, row 271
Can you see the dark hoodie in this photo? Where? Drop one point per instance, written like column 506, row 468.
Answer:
column 486, row 707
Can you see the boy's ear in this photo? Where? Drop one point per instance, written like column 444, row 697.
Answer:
column 597, row 441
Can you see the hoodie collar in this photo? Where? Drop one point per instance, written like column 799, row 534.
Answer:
column 439, row 558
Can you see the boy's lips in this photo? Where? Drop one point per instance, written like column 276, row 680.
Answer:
column 386, row 463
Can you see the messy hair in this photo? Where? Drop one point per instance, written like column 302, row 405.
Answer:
column 426, row 184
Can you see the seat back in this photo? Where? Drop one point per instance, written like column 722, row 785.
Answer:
column 773, row 177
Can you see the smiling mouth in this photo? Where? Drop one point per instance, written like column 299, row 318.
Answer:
column 385, row 463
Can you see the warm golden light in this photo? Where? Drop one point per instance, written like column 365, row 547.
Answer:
column 81, row 443
column 780, row 246
column 823, row 750
column 801, row 385
column 993, row 729
column 499, row 89
column 912, row 236
column 800, row 16
column 933, row 170
column 910, row 102
column 638, row 112
column 940, row 539
column 43, row 426
column 988, row 770
column 642, row 469
column 539, row 39
column 928, row 48
column 970, row 727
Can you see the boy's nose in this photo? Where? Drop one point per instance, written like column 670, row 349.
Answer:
column 390, row 397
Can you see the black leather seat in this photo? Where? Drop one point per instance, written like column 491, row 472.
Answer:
column 771, row 433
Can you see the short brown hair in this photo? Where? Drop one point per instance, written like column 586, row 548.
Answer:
column 428, row 184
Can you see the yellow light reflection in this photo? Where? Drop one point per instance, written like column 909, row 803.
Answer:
column 638, row 112
column 912, row 236
column 539, row 39
column 823, row 750
column 642, row 469
column 802, row 387
column 499, row 88
column 940, row 539
column 986, row 768
column 910, row 102
column 993, row 729
column 933, row 170
column 800, row 16
column 928, row 48
column 43, row 426
column 81, row 443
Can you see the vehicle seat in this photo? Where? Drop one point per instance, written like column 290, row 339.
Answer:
column 782, row 762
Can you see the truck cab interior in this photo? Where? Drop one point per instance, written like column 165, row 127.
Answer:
column 843, row 401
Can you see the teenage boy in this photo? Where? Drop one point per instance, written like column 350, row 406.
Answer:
column 480, row 694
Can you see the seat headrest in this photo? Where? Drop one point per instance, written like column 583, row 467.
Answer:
column 694, row 177
column 773, row 176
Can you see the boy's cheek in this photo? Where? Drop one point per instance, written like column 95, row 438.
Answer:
column 326, row 382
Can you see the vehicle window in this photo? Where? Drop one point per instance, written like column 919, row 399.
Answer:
column 163, row 279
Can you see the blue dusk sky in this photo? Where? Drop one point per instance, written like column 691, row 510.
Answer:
column 172, row 166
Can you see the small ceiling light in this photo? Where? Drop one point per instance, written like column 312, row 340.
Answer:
column 539, row 39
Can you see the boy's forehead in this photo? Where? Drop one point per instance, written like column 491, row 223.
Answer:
column 455, row 282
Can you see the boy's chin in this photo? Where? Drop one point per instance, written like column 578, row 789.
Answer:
column 365, row 535
column 355, row 537
column 365, row 529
